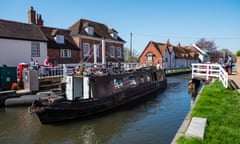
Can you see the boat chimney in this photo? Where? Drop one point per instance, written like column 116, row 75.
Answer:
column 103, row 53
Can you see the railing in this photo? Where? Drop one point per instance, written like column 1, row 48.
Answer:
column 210, row 70
column 47, row 71
column 66, row 69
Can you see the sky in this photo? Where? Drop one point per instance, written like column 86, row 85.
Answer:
column 180, row 21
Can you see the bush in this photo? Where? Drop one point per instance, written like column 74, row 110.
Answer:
column 238, row 53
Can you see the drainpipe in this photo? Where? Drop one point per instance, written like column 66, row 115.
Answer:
column 103, row 53
column 95, row 54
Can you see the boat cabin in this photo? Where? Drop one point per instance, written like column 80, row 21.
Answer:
column 77, row 87
column 80, row 87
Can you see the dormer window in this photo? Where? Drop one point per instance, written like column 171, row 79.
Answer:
column 89, row 30
column 59, row 39
column 114, row 35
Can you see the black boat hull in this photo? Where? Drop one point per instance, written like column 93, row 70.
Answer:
column 81, row 109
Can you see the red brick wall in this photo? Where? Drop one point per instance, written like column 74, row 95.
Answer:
column 107, row 45
column 151, row 48
column 55, row 56
column 77, row 55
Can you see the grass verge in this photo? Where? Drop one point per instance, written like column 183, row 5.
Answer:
column 177, row 71
column 221, row 107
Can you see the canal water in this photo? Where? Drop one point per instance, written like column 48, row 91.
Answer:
column 153, row 121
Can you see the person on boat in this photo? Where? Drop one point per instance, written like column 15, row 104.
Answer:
column 15, row 85
column 82, row 69
column 32, row 64
column 77, row 70
column 46, row 61
column 37, row 64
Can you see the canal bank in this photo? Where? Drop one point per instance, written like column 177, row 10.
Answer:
column 220, row 106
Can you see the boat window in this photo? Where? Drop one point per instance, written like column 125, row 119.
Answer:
column 118, row 83
column 132, row 81
column 148, row 79
column 155, row 76
column 142, row 79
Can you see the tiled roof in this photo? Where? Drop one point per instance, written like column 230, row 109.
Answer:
column 100, row 30
column 22, row 31
column 180, row 52
column 161, row 47
column 50, row 33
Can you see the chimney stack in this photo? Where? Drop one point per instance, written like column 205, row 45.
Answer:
column 34, row 18
column 39, row 20
column 31, row 16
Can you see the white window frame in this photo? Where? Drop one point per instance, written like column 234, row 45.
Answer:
column 97, row 46
column 150, row 57
column 89, row 30
column 112, row 51
column 59, row 39
column 35, row 49
column 86, row 49
column 114, row 35
column 119, row 52
column 65, row 53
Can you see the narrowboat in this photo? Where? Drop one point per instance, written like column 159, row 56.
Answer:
column 97, row 92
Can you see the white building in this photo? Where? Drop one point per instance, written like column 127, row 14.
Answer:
column 19, row 42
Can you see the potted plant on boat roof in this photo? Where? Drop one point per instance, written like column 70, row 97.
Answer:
column 238, row 62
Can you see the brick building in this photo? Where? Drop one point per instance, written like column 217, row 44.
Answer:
column 90, row 35
column 168, row 55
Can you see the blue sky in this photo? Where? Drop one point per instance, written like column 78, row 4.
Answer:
column 184, row 21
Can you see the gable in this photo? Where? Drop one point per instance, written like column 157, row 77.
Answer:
column 151, row 48
column 99, row 30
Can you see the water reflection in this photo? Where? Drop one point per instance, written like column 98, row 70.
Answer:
column 194, row 93
column 153, row 120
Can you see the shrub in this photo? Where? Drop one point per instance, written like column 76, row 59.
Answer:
column 238, row 53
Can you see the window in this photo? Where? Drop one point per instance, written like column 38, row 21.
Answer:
column 65, row 53
column 112, row 51
column 118, row 83
column 86, row 49
column 148, row 79
column 132, row 81
column 59, row 39
column 150, row 56
column 166, row 59
column 141, row 79
column 35, row 49
column 119, row 52
column 89, row 30
column 114, row 35
column 97, row 49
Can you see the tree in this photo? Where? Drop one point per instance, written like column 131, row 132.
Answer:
column 128, row 58
column 208, row 45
